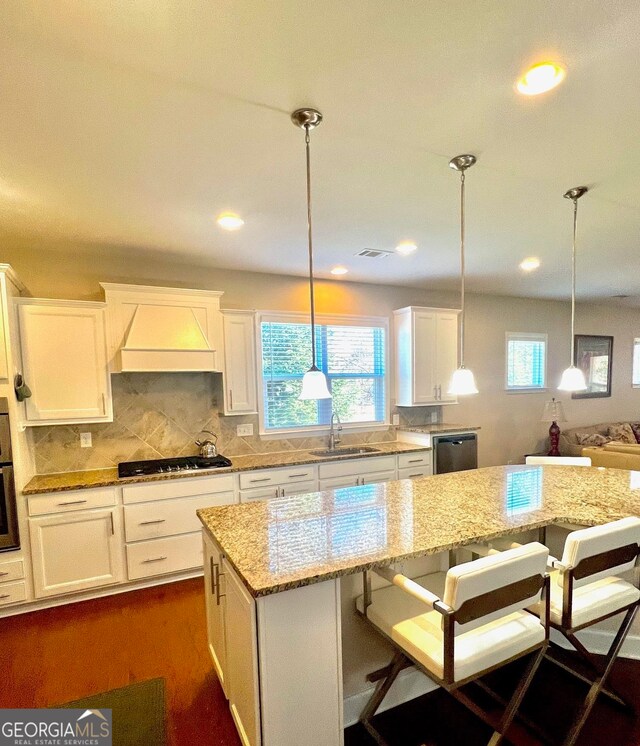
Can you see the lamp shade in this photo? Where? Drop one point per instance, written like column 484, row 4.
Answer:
column 314, row 385
column 462, row 383
column 553, row 412
column 572, row 380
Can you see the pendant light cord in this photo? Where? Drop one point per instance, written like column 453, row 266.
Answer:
column 307, row 140
column 573, row 281
column 462, row 269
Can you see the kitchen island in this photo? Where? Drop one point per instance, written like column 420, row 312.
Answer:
column 274, row 570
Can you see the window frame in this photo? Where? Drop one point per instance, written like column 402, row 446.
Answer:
column 636, row 343
column 285, row 317
column 525, row 337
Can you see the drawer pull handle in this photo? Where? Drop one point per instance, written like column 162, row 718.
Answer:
column 266, row 479
column 5, row 595
column 2, row 574
column 293, row 476
column 414, row 460
column 411, row 476
column 218, row 575
column 73, row 502
column 153, row 559
column 150, row 523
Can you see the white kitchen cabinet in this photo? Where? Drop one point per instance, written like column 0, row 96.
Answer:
column 169, row 554
column 264, row 484
column 76, row 551
column 426, row 355
column 240, row 395
column 64, row 361
column 215, row 603
column 354, row 472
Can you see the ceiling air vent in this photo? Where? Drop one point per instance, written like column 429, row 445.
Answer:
column 374, row 253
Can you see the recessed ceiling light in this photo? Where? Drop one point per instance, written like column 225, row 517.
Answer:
column 339, row 270
column 541, row 78
column 230, row 221
column 406, row 247
column 530, row 263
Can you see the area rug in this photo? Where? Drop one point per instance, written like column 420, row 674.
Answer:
column 138, row 712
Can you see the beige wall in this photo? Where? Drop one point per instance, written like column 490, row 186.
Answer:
column 510, row 422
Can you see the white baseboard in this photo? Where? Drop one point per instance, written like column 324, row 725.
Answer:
column 411, row 683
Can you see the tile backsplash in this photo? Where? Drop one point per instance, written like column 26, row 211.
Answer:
column 158, row 415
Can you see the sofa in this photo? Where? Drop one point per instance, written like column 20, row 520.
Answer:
column 613, row 454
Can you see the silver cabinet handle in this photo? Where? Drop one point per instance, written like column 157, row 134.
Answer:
column 212, row 564
column 113, row 531
column 150, row 523
column 414, row 460
column 230, row 398
column 217, row 581
column 5, row 595
column 435, row 392
column 2, row 574
column 266, row 479
column 293, row 476
column 104, row 404
column 411, row 476
column 73, row 502
column 153, row 559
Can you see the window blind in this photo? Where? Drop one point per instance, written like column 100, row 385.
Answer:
column 526, row 362
column 636, row 363
column 353, row 358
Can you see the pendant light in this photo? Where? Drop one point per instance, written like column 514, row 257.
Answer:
column 462, row 381
column 314, row 382
column 573, row 378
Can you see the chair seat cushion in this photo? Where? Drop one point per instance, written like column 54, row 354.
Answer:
column 593, row 600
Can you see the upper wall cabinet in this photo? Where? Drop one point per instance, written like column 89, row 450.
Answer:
column 426, row 355
column 64, row 361
column 239, row 362
column 163, row 329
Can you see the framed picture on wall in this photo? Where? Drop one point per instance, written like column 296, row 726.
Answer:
column 594, row 356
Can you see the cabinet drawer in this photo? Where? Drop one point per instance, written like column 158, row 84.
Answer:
column 11, row 593
column 62, row 502
column 11, row 571
column 266, row 477
column 161, row 556
column 169, row 517
column 359, row 467
column 409, row 460
column 378, row 476
column 267, row 493
column 172, row 488
column 412, row 473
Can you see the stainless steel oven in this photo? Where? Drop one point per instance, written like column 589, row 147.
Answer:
column 9, row 537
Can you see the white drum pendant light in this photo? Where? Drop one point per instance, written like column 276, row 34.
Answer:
column 573, row 378
column 462, row 381
column 314, row 382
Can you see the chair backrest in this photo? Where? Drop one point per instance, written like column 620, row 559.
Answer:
column 492, row 587
column 602, row 551
column 559, row 460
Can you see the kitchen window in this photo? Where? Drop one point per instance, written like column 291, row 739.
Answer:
column 350, row 351
column 526, row 355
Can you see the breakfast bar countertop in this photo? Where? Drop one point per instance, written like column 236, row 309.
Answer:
column 79, row 480
column 284, row 543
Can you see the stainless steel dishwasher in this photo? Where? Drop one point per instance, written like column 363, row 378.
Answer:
column 455, row 452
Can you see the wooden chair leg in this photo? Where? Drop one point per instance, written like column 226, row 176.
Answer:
column 598, row 684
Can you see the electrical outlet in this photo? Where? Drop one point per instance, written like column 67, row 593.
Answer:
column 85, row 440
column 434, row 416
column 244, row 430
column 395, row 419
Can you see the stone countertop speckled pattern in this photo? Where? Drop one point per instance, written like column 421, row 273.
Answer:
column 443, row 427
column 79, row 480
column 288, row 542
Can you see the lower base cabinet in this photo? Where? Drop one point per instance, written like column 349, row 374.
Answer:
column 76, row 551
column 279, row 656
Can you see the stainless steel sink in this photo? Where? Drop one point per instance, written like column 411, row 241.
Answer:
column 357, row 451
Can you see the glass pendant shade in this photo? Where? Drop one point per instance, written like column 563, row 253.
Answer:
column 314, row 385
column 462, row 382
column 572, row 380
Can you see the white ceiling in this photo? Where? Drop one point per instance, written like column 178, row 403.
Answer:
column 135, row 123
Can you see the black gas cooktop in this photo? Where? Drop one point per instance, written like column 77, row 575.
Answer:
column 166, row 465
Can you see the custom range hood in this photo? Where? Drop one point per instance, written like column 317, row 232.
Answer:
column 170, row 330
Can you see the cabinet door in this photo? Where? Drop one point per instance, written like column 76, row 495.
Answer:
column 332, row 483
column 424, row 357
column 242, row 659
column 446, row 353
column 239, row 363
column 215, row 602
column 65, row 362
column 76, row 551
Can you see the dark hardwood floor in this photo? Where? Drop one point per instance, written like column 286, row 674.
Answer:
column 69, row 652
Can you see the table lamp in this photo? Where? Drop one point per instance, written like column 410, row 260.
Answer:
column 553, row 413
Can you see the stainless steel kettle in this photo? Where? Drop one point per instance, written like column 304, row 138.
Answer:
column 208, row 447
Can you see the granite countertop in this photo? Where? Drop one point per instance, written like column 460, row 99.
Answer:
column 288, row 542
column 79, row 480
column 443, row 427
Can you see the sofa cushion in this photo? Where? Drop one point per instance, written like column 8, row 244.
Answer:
column 622, row 433
column 619, row 447
column 592, row 439
column 635, row 426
